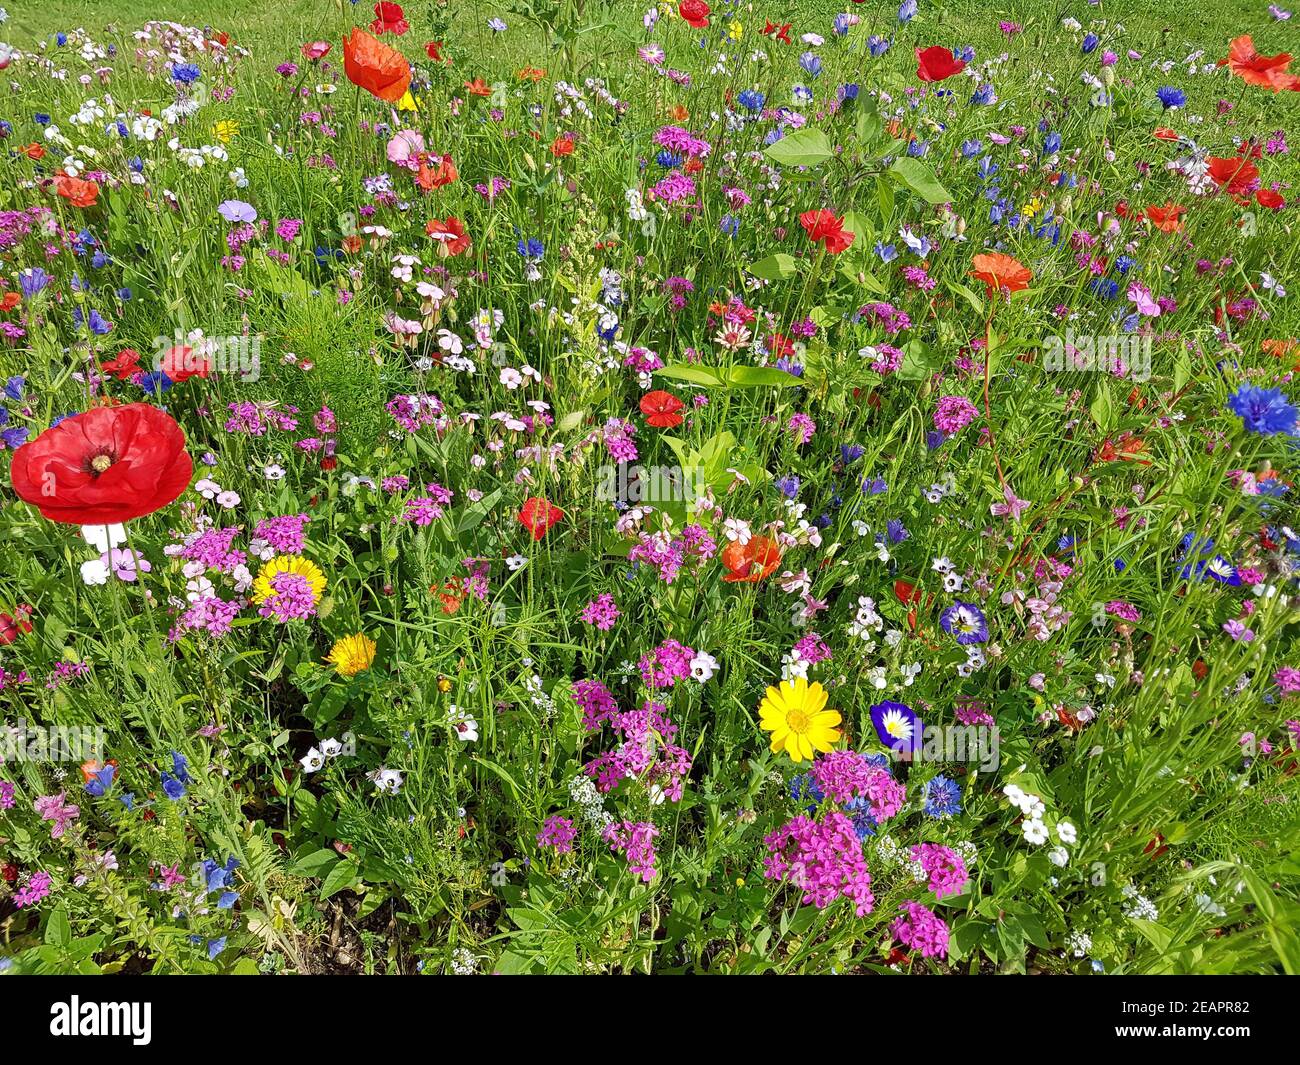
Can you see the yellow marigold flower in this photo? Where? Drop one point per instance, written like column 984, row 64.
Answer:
column 295, row 564
column 352, row 654
column 797, row 717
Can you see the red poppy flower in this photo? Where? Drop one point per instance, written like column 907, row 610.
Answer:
column 449, row 234
column 434, row 51
column 389, row 18
column 33, row 150
column 1266, row 71
column 14, row 625
column 660, row 409
column 9, row 301
column 104, row 467
column 180, row 363
column 316, row 50
column 1270, row 199
column 376, row 67
column 435, row 177
column 999, row 272
column 76, row 191
column 1164, row 133
column 1167, row 219
column 937, row 63
column 750, row 563
column 478, row 87
column 906, row 592
column 122, row 367
column 695, row 12
column 562, row 146
column 539, row 516
column 1238, row 175
column 824, row 226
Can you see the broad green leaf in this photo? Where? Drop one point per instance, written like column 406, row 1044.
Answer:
column 920, row 179
column 806, row 147
column 776, row 267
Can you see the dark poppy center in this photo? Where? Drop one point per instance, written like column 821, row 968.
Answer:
column 99, row 462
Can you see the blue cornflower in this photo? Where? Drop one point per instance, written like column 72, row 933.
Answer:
column 751, row 99
column 1265, row 411
column 985, row 94
column 942, row 797
column 1090, row 43
column 186, row 73
column 859, row 813
column 1170, row 96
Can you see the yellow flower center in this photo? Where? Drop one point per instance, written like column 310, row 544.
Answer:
column 797, row 721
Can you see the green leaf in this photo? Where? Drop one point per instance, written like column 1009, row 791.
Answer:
column 315, row 863
column 920, row 179
column 340, row 878
column 776, row 267
column 807, row 147
column 58, row 932
column 760, row 377
column 696, row 375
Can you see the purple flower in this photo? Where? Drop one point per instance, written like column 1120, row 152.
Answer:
column 237, row 211
column 966, row 622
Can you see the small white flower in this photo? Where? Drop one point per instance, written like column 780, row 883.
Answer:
column 1035, row 831
column 311, row 761
column 104, row 537
column 1059, row 857
column 1067, row 832
column 94, row 572
column 331, row 748
column 703, row 666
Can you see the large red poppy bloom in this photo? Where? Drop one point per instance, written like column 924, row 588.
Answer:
column 824, row 226
column 539, row 516
column 660, row 409
column 937, row 63
column 376, row 67
column 695, row 12
column 1237, row 174
column 14, row 625
column 1266, row 71
column 104, row 467
column 389, row 18
column 750, row 563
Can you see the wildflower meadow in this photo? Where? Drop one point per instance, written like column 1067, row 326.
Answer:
column 579, row 487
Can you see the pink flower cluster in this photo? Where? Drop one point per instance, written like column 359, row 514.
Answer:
column 920, row 930
column 953, row 414
column 601, row 612
column 635, row 840
column 557, row 832
column 821, row 858
column 668, row 556
column 944, row 868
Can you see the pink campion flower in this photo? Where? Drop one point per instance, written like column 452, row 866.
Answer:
column 53, row 808
column 1011, row 506
column 944, row 869
column 1126, row 611
column 634, row 839
column 802, row 426
column 35, row 890
column 821, row 858
column 1287, row 678
column 953, row 414
column 557, row 832
column 601, row 612
column 920, row 930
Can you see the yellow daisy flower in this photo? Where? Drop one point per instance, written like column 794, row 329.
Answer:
column 262, row 589
column 226, row 130
column 352, row 654
column 797, row 717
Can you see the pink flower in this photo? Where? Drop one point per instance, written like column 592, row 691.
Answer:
column 1012, row 507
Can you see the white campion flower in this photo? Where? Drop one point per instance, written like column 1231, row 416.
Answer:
column 104, row 537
